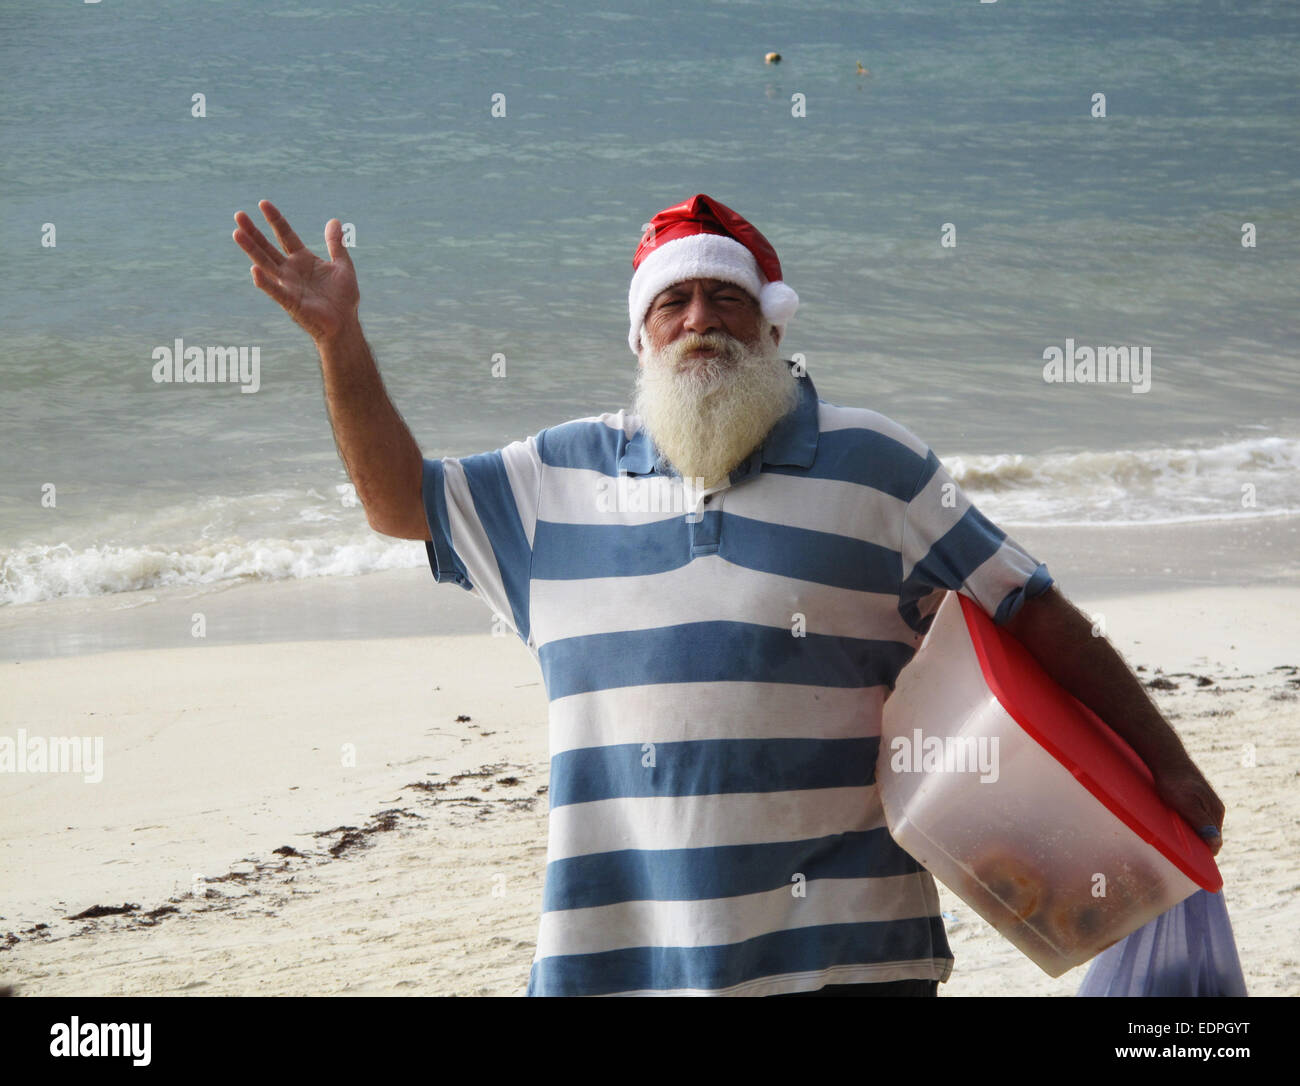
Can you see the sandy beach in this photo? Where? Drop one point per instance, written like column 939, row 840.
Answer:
column 369, row 816
column 304, row 768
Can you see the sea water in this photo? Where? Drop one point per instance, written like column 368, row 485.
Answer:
column 952, row 220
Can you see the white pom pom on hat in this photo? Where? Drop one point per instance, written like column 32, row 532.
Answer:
column 704, row 239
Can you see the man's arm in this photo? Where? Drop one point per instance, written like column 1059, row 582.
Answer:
column 381, row 457
column 1060, row 638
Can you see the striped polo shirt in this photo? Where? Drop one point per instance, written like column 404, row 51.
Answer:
column 715, row 663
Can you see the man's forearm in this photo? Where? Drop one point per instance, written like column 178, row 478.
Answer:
column 381, row 457
column 1060, row 638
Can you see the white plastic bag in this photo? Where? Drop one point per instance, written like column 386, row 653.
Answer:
column 1187, row 951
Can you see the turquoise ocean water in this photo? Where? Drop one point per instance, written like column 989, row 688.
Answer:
column 478, row 234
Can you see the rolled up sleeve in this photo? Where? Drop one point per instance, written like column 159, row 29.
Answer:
column 949, row 545
column 482, row 514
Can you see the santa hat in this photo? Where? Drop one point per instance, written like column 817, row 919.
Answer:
column 704, row 239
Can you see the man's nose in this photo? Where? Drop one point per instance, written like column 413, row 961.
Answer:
column 701, row 316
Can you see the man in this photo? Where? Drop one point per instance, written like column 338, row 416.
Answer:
column 721, row 588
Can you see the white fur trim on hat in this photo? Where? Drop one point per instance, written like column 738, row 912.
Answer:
column 700, row 256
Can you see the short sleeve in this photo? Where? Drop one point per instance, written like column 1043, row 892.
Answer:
column 482, row 514
column 949, row 545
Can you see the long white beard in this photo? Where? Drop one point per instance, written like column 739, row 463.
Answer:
column 708, row 413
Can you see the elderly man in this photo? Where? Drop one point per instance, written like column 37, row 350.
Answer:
column 721, row 588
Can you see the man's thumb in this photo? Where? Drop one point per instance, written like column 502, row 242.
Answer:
column 334, row 242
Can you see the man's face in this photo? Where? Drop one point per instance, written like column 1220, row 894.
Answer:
column 703, row 308
column 710, row 383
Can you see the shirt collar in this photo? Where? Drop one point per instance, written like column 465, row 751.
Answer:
column 792, row 441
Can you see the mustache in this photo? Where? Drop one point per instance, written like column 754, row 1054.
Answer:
column 720, row 343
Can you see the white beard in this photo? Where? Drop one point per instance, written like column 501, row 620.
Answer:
column 708, row 413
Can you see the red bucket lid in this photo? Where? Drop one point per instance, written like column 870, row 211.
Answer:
column 1079, row 740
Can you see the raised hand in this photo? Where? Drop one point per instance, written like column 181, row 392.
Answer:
column 320, row 295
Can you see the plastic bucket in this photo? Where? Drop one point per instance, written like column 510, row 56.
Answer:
column 1016, row 796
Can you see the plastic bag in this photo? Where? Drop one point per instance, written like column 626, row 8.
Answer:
column 1187, row 951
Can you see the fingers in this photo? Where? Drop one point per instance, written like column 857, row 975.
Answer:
column 283, row 231
column 251, row 240
column 334, row 242
column 1210, row 826
column 1198, row 805
column 1213, row 807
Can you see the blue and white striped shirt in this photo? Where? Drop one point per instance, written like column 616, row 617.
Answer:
column 716, row 663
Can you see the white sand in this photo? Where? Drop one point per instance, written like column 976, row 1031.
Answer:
column 217, row 755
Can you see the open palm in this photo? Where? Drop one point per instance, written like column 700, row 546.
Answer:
column 320, row 295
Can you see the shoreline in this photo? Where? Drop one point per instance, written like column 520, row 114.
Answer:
column 1085, row 562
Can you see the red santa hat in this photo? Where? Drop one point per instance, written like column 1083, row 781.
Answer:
column 704, row 239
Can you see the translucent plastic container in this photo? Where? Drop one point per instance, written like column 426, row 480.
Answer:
column 1016, row 797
